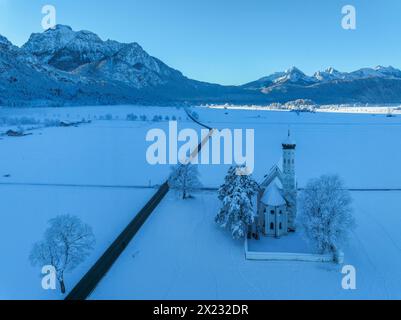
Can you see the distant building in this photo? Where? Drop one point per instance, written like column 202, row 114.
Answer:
column 277, row 197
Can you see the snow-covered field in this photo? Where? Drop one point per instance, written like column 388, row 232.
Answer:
column 200, row 261
column 197, row 260
column 362, row 148
column 94, row 171
column 106, row 152
column 25, row 211
column 180, row 253
column 291, row 243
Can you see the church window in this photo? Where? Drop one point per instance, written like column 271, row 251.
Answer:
column 272, row 211
column 272, row 226
column 281, row 226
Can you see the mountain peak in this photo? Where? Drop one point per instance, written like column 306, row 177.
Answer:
column 61, row 32
column 382, row 68
column 66, row 49
column 294, row 70
column 294, row 76
column 59, row 27
column 328, row 75
column 331, row 70
column 388, row 71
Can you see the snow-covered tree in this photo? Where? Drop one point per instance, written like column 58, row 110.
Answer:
column 157, row 118
column 325, row 213
column 237, row 212
column 66, row 244
column 184, row 179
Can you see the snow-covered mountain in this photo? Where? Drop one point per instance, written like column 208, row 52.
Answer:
column 295, row 76
column 292, row 75
column 65, row 67
column 125, row 70
column 66, row 49
column 26, row 80
column 130, row 65
column 83, row 53
column 367, row 85
column 329, row 74
column 378, row 72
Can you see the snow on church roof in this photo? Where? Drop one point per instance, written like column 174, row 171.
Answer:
column 274, row 176
column 277, row 182
column 273, row 196
column 289, row 141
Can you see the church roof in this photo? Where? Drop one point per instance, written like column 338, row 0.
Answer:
column 278, row 183
column 275, row 173
column 273, row 196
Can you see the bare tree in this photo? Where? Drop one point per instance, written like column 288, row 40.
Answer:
column 67, row 243
column 325, row 213
column 184, row 178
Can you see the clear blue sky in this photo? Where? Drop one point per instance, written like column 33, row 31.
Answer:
column 229, row 42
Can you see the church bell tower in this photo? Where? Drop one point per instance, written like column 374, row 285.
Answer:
column 289, row 180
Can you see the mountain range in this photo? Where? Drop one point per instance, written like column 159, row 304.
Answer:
column 65, row 67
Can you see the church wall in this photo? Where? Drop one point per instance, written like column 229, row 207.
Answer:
column 275, row 217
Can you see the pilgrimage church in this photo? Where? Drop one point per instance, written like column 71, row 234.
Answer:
column 277, row 197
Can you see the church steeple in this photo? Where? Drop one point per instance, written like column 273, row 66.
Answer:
column 289, row 147
column 289, row 143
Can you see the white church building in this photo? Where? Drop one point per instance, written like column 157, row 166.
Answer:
column 277, row 197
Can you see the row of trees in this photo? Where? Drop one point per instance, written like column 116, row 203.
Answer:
column 156, row 118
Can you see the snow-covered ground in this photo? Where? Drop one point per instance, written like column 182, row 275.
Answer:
column 361, row 148
column 291, row 243
column 181, row 254
column 25, row 211
column 91, row 171
column 198, row 260
column 106, row 152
